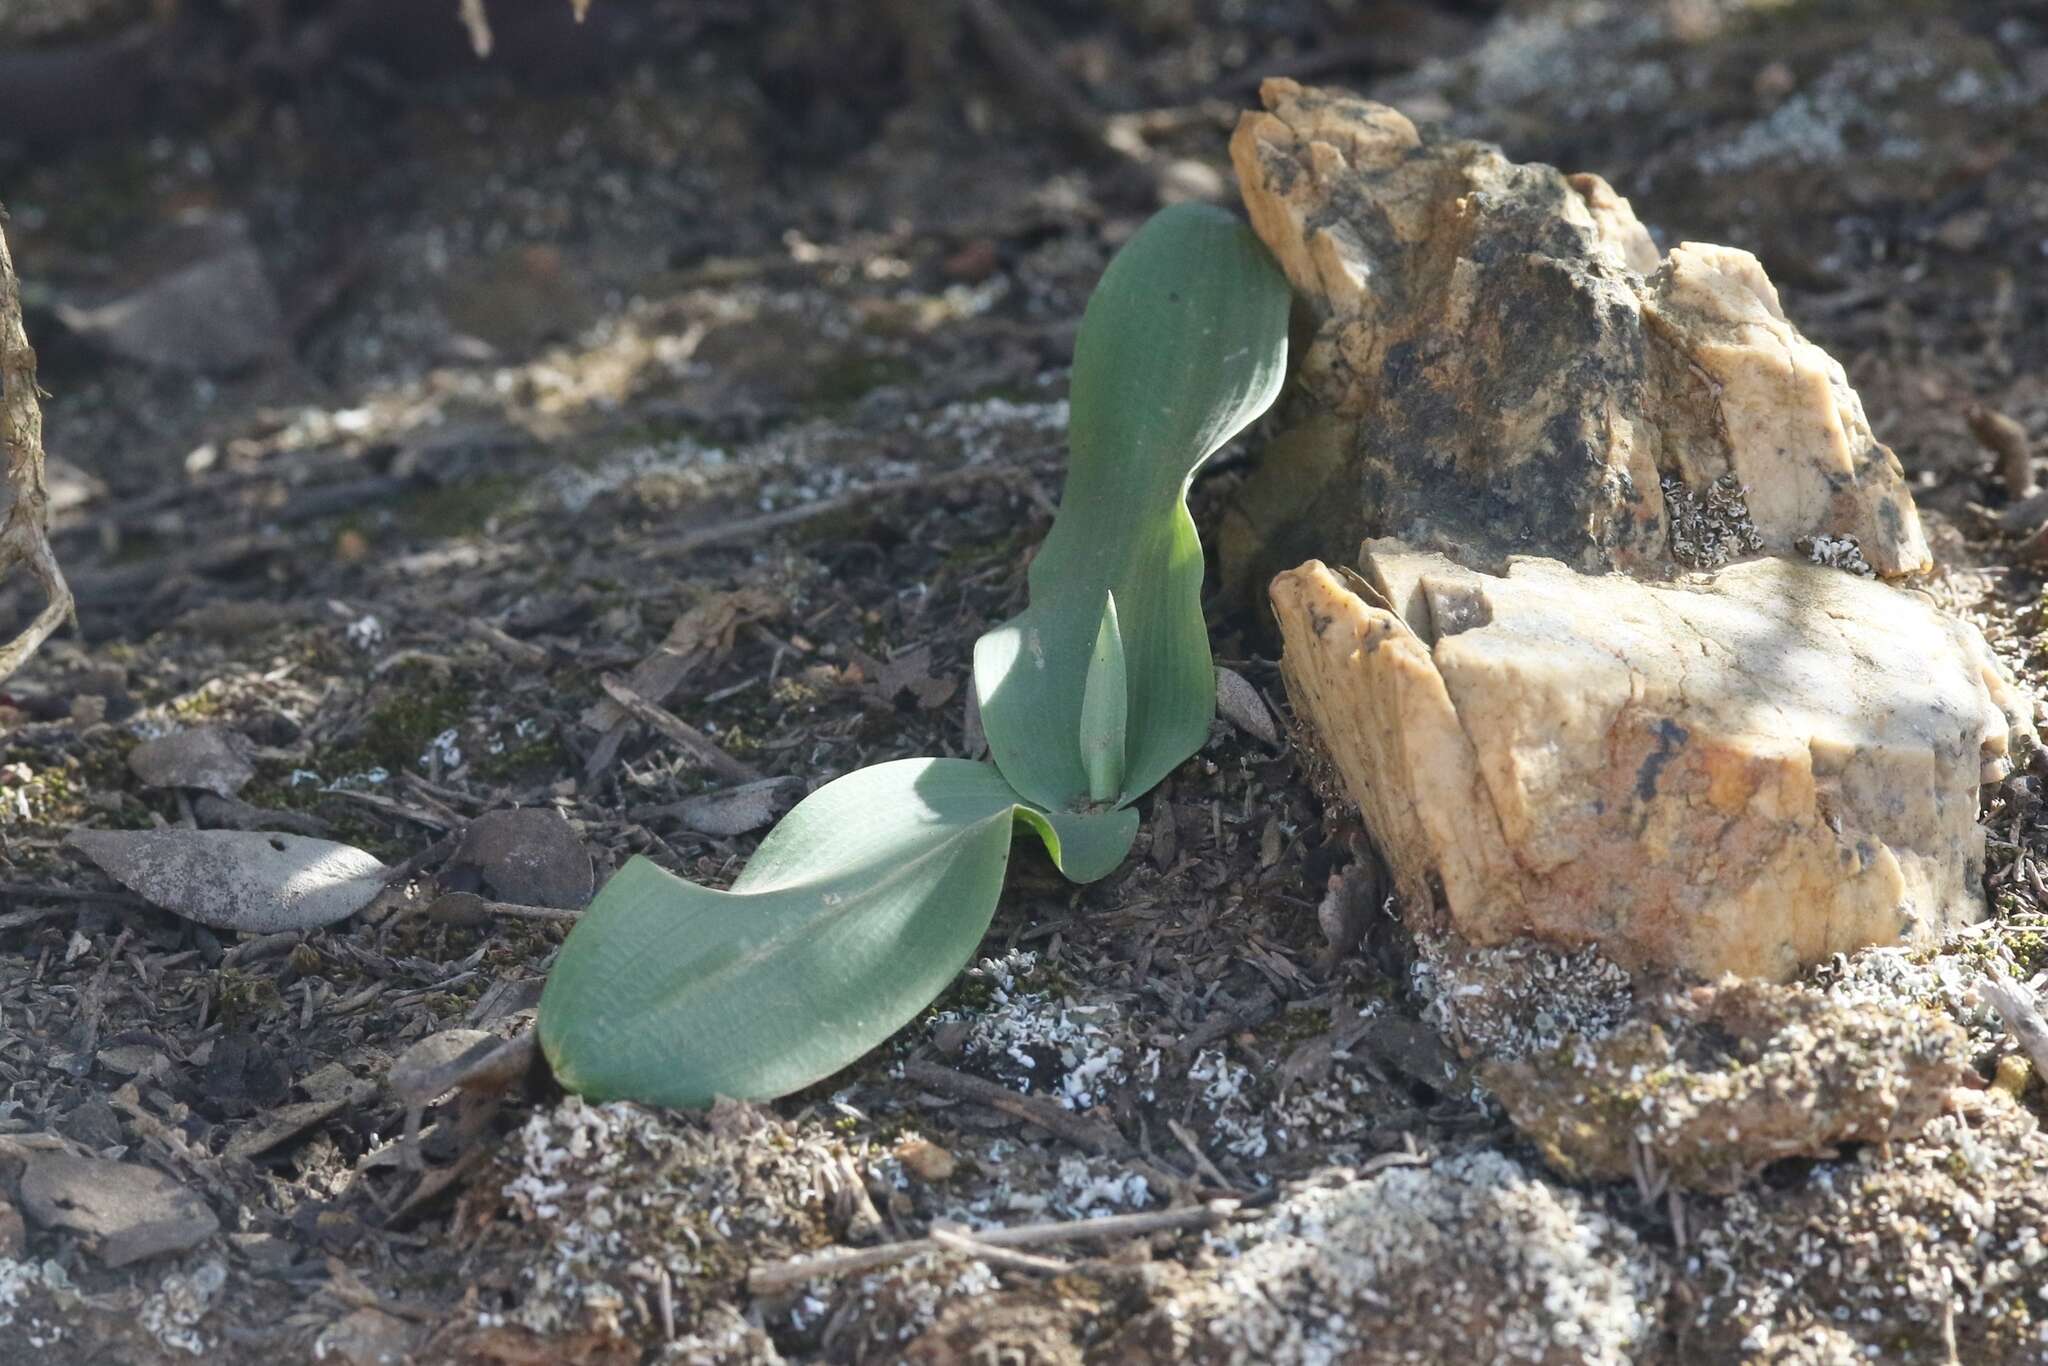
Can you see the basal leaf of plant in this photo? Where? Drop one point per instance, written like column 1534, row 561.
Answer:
column 1184, row 342
column 856, row 911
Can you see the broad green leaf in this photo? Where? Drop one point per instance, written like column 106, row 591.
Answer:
column 856, row 911
column 1085, row 844
column 1105, row 709
column 1184, row 342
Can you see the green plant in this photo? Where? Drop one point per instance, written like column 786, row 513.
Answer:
column 870, row 896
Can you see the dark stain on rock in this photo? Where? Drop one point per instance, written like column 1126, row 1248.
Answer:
column 1671, row 737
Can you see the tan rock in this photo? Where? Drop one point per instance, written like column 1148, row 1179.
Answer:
column 1740, row 772
column 1794, row 434
column 1504, row 364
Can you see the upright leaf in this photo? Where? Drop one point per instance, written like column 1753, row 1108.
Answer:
column 855, row 912
column 1105, row 709
column 1184, row 342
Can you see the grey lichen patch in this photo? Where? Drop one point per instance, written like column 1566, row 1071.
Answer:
column 1707, row 1087
column 173, row 1314
column 37, row 1300
column 1011, row 1022
column 1710, row 528
column 2014, row 947
column 1471, row 1257
column 1936, row 1252
column 620, row 1208
column 722, row 1337
column 1520, row 998
column 1836, row 552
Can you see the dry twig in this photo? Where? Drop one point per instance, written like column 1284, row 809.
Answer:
column 467, row 908
column 518, row 651
column 2015, row 1004
column 1090, row 1135
column 2007, row 440
column 24, row 537
column 954, row 1238
column 852, row 1261
column 1035, row 75
column 694, row 742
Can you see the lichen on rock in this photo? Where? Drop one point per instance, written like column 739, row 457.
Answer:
column 1509, row 1001
column 619, row 1211
column 1504, row 364
column 1706, row 1087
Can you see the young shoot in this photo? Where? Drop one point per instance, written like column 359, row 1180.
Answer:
column 1105, row 708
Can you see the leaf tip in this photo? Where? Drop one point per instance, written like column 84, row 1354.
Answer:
column 1105, row 707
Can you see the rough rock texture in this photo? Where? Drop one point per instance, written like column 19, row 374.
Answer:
column 1662, row 770
column 1503, row 364
column 1882, row 1257
column 1707, row 1087
column 1468, row 1258
column 1932, row 1248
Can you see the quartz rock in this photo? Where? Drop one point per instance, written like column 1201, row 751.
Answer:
column 1503, row 363
column 1745, row 771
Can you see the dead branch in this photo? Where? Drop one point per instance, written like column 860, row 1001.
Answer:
column 1035, row 75
column 1090, row 1135
column 838, row 1262
column 24, row 538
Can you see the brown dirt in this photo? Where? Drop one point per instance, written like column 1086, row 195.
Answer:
column 541, row 331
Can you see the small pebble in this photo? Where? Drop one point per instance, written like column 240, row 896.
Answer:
column 926, row 1161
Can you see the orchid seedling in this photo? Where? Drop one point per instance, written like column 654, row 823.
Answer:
column 869, row 897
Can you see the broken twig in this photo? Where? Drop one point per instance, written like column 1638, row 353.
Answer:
column 511, row 647
column 1088, row 1134
column 694, row 742
column 851, row 1261
column 956, row 1239
column 1034, row 74
column 2016, row 1005
column 467, row 908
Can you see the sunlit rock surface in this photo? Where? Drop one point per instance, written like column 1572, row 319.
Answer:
column 1745, row 771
